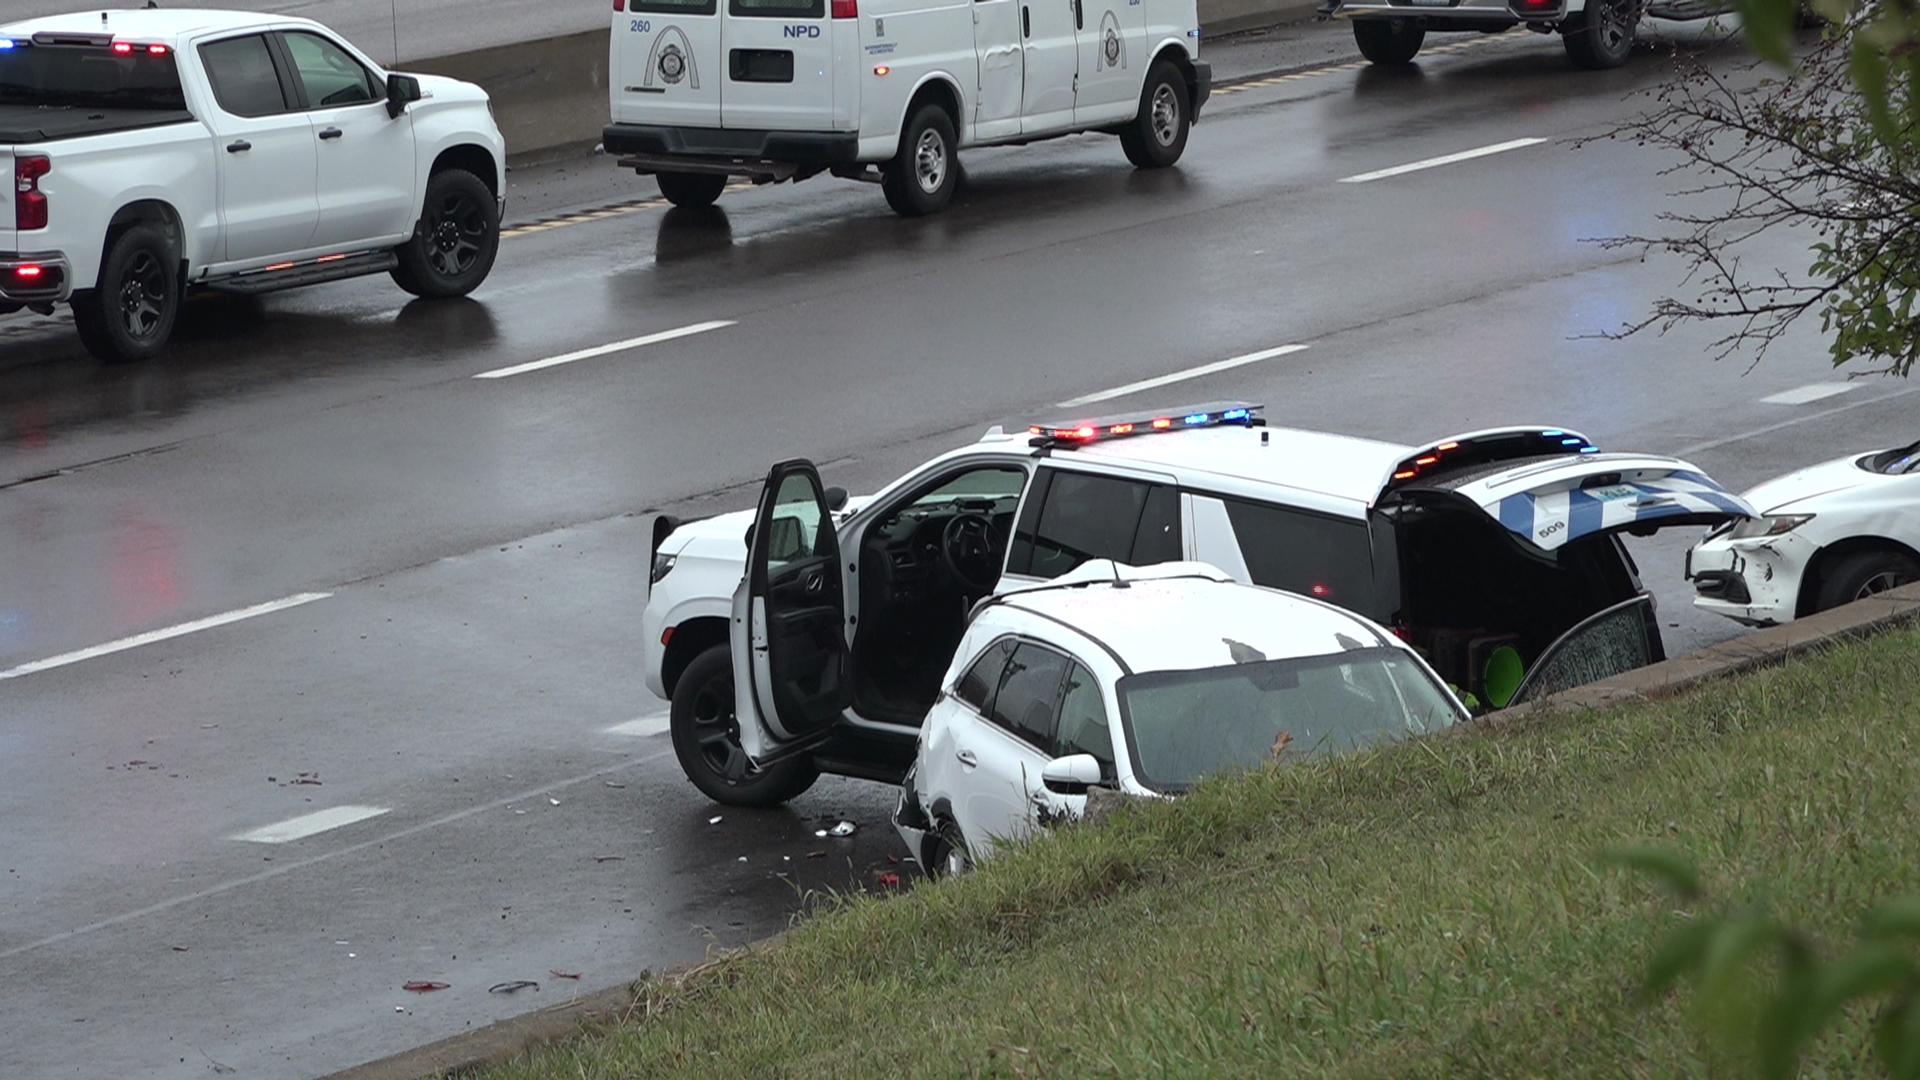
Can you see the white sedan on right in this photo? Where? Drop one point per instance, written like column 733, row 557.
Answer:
column 1828, row 535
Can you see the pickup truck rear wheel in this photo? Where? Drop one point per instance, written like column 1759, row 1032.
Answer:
column 453, row 245
column 921, row 177
column 691, row 189
column 1601, row 36
column 130, row 315
column 1157, row 135
column 706, row 739
column 1388, row 41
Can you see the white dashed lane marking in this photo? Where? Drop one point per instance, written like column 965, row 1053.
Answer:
column 642, row 727
column 309, row 824
column 152, row 636
column 603, row 350
column 1812, row 392
column 1179, row 376
column 1444, row 159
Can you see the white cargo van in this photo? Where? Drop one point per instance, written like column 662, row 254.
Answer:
column 889, row 90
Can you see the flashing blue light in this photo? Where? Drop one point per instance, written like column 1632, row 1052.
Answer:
column 1589, row 449
column 1553, row 433
column 1234, row 414
column 5, row 44
column 1196, row 419
column 1571, row 442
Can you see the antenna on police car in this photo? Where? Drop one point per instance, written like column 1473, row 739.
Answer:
column 393, row 9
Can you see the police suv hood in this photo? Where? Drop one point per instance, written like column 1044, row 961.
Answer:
column 1782, row 494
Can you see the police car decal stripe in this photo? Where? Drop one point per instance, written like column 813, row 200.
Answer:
column 1551, row 519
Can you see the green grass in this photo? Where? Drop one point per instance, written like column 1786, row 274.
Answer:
column 1435, row 909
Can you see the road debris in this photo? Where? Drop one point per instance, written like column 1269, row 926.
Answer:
column 553, row 800
column 511, row 987
column 423, row 986
column 608, row 858
column 715, row 819
column 563, row 974
column 889, row 880
column 845, row 828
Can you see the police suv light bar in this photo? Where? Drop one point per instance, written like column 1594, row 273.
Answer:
column 1215, row 414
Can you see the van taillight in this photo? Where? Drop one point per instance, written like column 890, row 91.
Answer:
column 619, row 5
column 846, row 9
column 29, row 203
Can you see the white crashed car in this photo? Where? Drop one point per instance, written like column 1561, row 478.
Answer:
column 1144, row 680
column 1828, row 535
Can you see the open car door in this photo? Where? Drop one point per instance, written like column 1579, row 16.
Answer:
column 1552, row 502
column 792, row 669
column 1611, row 642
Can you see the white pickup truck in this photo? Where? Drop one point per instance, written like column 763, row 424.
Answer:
column 155, row 151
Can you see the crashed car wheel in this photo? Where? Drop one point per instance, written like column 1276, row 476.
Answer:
column 1864, row 574
column 706, row 739
column 946, row 854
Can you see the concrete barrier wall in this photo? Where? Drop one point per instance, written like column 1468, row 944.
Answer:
column 550, row 94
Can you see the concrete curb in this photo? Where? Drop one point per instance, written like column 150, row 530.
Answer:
column 471, row 1050
column 550, row 95
column 1762, row 648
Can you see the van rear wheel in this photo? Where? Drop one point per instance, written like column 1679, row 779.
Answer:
column 1388, row 41
column 691, row 189
column 921, row 177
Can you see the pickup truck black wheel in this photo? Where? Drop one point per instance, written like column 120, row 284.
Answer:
column 1157, row 135
column 1863, row 574
column 1602, row 35
column 691, row 189
column 130, row 315
column 921, row 177
column 706, row 739
column 453, row 245
column 1388, row 41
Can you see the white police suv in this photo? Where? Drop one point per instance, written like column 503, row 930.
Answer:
column 816, row 639
column 1144, row 680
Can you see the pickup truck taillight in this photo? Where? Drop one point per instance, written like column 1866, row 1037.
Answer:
column 29, row 203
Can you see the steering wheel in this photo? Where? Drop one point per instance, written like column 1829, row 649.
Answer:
column 966, row 547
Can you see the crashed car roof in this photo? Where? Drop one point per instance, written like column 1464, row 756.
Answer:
column 1182, row 616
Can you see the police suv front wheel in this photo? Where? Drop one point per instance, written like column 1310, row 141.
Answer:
column 706, row 739
column 921, row 177
column 1157, row 136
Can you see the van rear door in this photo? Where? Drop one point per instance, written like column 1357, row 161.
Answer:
column 666, row 65
column 778, row 57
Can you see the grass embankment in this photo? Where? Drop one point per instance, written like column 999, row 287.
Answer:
column 1433, row 909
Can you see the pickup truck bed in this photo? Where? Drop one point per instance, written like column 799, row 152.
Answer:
column 26, row 124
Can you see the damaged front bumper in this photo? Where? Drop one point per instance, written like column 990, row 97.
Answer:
column 910, row 819
column 1755, row 581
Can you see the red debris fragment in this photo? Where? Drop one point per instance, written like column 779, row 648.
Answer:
column 889, row 880
column 421, row 986
column 894, row 859
column 562, row 974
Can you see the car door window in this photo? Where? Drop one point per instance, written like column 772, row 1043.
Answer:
column 977, row 686
column 1074, row 517
column 794, row 530
column 329, row 74
column 243, row 78
column 1083, row 725
column 1029, row 695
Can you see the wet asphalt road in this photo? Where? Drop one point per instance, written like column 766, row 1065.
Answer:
column 480, row 543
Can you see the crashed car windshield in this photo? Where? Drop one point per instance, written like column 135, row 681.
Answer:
column 1184, row 725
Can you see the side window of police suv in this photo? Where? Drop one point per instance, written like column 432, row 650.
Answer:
column 1071, row 517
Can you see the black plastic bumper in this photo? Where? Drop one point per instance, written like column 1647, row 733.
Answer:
column 1202, row 85
column 788, row 147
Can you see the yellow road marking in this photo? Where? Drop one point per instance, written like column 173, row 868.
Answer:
column 600, row 214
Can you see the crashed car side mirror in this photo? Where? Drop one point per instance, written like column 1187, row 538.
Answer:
column 401, row 91
column 1071, row 775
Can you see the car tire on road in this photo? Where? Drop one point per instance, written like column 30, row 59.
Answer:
column 1388, row 41
column 454, row 243
column 921, row 177
column 706, row 739
column 1863, row 574
column 693, row 190
column 946, row 854
column 1157, row 135
column 1601, row 36
column 130, row 315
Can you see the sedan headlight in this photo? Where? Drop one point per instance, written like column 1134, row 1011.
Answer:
column 1749, row 528
column 662, row 566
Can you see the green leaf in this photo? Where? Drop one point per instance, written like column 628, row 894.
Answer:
column 1896, row 1038
column 1682, row 952
column 1868, row 971
column 1674, row 870
column 1895, row 918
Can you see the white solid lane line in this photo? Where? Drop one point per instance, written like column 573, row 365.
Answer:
column 602, row 350
column 309, row 824
column 642, row 727
column 1444, row 159
column 1803, row 395
column 1179, row 376
column 152, row 636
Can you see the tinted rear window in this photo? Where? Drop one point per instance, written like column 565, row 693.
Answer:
column 89, row 76
column 674, row 7
column 779, row 9
column 244, row 80
column 1306, row 553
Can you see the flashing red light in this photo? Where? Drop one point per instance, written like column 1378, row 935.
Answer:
column 1321, row 590
column 329, row 258
column 1445, row 446
column 279, row 266
column 1162, row 424
column 1084, row 431
column 1405, row 474
column 29, row 203
column 156, row 50
column 27, row 271
column 123, row 48
column 846, row 9
column 1120, row 429
column 1425, row 460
